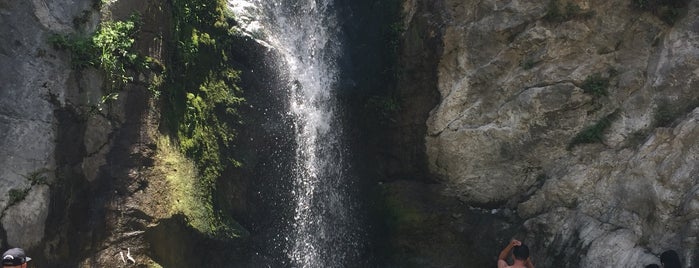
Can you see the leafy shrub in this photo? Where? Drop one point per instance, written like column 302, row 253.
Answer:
column 670, row 15
column 637, row 138
column 109, row 49
column 384, row 107
column 82, row 19
column 642, row 4
column 528, row 63
column 82, row 50
column 595, row 85
column 37, row 176
column 666, row 113
column 668, row 11
column 570, row 11
column 594, row 133
column 17, row 195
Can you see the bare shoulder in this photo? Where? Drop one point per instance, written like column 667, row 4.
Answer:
column 502, row 264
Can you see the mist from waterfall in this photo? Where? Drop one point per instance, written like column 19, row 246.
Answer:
column 323, row 231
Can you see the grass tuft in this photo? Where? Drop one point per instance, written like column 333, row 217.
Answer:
column 596, row 85
column 594, row 133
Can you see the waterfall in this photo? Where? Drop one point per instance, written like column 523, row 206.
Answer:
column 323, row 231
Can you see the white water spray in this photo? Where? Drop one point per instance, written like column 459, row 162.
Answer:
column 323, row 232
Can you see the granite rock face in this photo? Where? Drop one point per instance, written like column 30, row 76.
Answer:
column 54, row 141
column 34, row 83
column 581, row 120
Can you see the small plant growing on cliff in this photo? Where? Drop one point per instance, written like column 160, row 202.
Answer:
column 596, row 85
column 570, row 11
column 114, row 40
column 110, row 49
column 37, row 177
column 82, row 50
column 81, row 20
column 528, row 63
column 666, row 113
column 594, row 133
column 668, row 11
column 384, row 107
column 637, row 138
column 17, row 195
column 553, row 13
column 98, row 4
column 641, row 4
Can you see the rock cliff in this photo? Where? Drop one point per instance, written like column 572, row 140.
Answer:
column 569, row 124
column 33, row 81
column 575, row 119
column 66, row 152
column 87, row 180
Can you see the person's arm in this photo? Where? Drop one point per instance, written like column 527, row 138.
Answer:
column 502, row 258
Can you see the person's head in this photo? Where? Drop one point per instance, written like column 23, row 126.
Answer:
column 652, row 266
column 521, row 252
column 15, row 257
column 670, row 259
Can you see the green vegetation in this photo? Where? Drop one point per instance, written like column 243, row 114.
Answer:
column 668, row 11
column 114, row 41
column 400, row 214
column 637, row 138
column 82, row 19
column 37, row 177
column 152, row 264
column 201, row 88
column 385, row 108
column 642, row 4
column 81, row 49
column 392, row 35
column 595, row 85
column 666, row 113
column 186, row 193
column 378, row 75
column 392, row 28
column 201, row 99
column 97, row 4
column 109, row 49
column 17, row 195
column 528, row 63
column 556, row 13
column 594, row 133
column 198, row 90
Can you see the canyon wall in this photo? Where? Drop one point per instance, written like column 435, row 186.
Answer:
column 36, row 82
column 568, row 124
column 574, row 120
column 89, row 180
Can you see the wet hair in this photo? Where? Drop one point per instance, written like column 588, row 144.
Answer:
column 652, row 266
column 670, row 259
column 521, row 252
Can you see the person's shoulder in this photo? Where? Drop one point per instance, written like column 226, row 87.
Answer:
column 502, row 264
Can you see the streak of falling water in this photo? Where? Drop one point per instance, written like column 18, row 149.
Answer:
column 324, row 231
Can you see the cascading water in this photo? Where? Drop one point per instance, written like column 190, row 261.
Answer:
column 323, row 231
